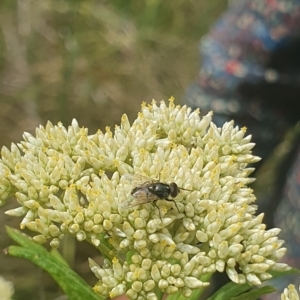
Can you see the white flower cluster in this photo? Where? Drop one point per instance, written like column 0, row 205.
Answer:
column 290, row 293
column 69, row 182
column 6, row 289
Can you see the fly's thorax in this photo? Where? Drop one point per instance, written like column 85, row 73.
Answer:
column 161, row 190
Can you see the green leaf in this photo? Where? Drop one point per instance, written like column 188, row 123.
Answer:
column 255, row 293
column 245, row 291
column 56, row 254
column 233, row 291
column 229, row 290
column 277, row 274
column 70, row 282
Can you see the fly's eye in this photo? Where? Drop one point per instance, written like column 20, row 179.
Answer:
column 174, row 191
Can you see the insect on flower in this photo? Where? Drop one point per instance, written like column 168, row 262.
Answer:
column 149, row 190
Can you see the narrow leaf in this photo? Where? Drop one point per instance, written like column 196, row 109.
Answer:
column 255, row 293
column 70, row 282
column 277, row 274
column 229, row 290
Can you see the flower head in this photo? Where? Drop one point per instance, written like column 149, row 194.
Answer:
column 290, row 293
column 7, row 289
column 69, row 182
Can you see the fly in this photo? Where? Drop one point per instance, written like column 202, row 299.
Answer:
column 148, row 190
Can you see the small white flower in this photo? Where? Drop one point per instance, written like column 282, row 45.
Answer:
column 290, row 293
column 6, row 289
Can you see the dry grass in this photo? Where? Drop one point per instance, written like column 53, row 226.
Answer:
column 62, row 58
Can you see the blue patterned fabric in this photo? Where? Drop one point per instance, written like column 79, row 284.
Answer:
column 238, row 48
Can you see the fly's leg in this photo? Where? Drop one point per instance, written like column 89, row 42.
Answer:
column 158, row 209
column 173, row 202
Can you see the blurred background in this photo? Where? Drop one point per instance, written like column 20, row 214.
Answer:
column 93, row 61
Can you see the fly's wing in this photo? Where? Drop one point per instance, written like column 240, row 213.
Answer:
column 138, row 180
column 140, row 193
column 140, row 196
